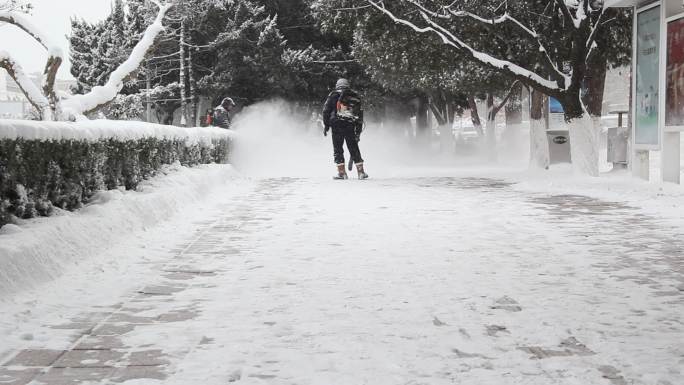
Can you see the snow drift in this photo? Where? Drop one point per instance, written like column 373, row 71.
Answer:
column 44, row 248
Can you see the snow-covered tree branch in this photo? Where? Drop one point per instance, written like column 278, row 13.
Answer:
column 32, row 93
column 559, row 75
column 449, row 38
column 55, row 56
column 46, row 100
column 81, row 104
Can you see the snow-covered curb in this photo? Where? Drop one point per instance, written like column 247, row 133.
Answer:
column 94, row 130
column 44, row 248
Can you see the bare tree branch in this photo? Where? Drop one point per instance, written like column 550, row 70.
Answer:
column 563, row 6
column 501, row 105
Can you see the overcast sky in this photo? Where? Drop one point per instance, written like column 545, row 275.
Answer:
column 54, row 17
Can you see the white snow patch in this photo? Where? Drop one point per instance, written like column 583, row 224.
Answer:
column 94, row 130
column 46, row 247
column 10, row 229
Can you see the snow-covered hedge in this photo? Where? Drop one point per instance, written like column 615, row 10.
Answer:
column 44, row 165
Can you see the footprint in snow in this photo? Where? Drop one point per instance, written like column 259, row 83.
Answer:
column 437, row 322
column 506, row 303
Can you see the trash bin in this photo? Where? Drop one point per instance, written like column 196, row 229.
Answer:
column 559, row 146
column 618, row 142
column 618, row 138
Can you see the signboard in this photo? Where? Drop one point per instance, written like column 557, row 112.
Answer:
column 646, row 130
column 674, row 101
column 555, row 107
column 556, row 115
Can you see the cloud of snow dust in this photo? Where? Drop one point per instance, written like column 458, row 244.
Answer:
column 276, row 139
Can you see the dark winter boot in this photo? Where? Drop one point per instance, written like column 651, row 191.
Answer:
column 341, row 173
column 362, row 173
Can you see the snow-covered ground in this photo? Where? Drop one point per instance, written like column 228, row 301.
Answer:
column 424, row 274
column 44, row 248
column 451, row 278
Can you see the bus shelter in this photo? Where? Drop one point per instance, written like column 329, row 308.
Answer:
column 657, row 84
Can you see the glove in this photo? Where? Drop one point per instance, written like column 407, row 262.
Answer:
column 325, row 131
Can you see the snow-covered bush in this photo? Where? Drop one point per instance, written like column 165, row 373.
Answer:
column 39, row 173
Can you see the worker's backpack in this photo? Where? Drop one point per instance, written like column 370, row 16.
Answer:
column 349, row 107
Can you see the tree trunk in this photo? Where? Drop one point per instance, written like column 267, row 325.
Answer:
column 514, row 109
column 572, row 106
column 474, row 115
column 422, row 121
column 193, row 91
column 441, row 109
column 491, row 127
column 148, row 94
column 596, row 81
column 584, row 148
column 584, row 136
column 183, row 89
column 539, row 144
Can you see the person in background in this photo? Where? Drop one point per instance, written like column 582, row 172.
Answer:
column 209, row 118
column 343, row 113
column 221, row 117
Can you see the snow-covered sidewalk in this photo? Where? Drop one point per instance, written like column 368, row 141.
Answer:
column 437, row 280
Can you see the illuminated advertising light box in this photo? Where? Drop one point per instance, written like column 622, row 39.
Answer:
column 646, row 130
column 674, row 106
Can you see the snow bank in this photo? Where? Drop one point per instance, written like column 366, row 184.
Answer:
column 44, row 248
column 94, row 130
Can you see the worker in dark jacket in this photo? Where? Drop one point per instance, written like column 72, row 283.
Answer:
column 343, row 113
column 221, row 117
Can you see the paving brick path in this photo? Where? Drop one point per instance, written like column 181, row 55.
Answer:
column 418, row 281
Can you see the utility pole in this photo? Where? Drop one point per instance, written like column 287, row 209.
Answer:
column 148, row 92
column 183, row 96
column 193, row 96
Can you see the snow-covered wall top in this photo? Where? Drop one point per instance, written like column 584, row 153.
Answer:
column 94, row 130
